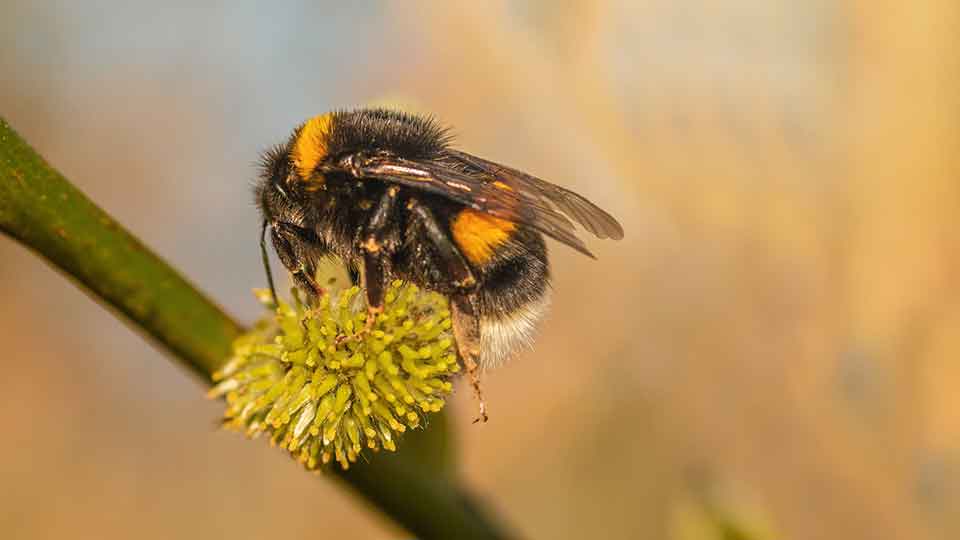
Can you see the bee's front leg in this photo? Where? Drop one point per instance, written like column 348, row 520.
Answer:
column 292, row 246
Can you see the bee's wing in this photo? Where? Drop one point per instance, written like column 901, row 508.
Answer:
column 498, row 191
column 597, row 221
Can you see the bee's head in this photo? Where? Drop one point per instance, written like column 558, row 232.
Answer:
column 291, row 170
column 280, row 192
column 273, row 189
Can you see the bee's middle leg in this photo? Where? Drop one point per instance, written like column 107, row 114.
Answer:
column 374, row 281
column 375, row 284
column 376, row 243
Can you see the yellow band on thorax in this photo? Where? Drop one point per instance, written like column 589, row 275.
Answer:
column 311, row 145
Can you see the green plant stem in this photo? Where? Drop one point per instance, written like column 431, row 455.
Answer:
column 417, row 487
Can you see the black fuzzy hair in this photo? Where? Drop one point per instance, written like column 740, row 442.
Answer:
column 408, row 135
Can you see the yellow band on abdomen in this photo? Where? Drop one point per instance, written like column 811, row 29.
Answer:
column 478, row 234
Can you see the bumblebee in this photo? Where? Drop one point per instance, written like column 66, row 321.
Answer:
column 386, row 193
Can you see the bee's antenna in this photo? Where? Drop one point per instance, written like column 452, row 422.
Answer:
column 266, row 263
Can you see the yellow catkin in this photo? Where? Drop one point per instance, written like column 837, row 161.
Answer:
column 306, row 380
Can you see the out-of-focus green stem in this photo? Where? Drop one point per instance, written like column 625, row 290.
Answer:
column 42, row 210
column 417, row 487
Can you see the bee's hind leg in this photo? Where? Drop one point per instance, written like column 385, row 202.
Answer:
column 464, row 306
column 466, row 331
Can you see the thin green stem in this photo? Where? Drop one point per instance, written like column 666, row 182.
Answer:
column 417, row 487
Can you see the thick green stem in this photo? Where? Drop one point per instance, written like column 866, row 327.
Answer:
column 417, row 487
column 42, row 210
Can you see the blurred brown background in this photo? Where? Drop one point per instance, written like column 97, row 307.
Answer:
column 774, row 344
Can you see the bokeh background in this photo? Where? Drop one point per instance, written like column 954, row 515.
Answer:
column 772, row 350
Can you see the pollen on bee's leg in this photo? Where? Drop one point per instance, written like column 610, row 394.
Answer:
column 372, row 314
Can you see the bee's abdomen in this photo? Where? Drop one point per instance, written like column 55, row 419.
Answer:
column 480, row 235
column 509, row 262
column 516, row 275
column 514, row 295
